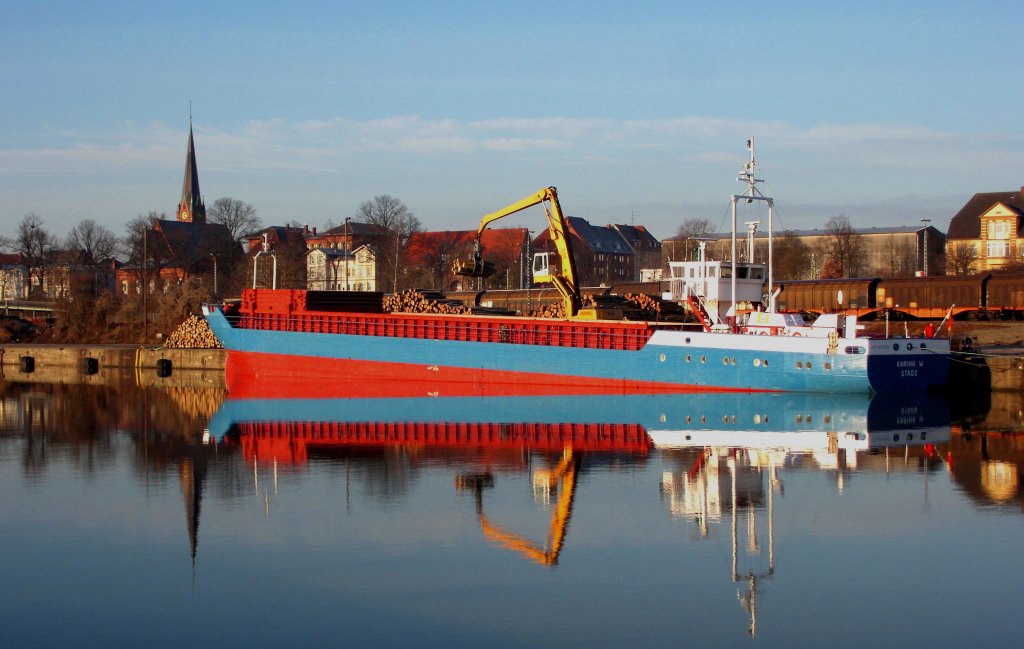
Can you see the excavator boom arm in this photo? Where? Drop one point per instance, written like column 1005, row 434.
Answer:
column 566, row 282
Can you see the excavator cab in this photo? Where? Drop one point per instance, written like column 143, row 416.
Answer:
column 543, row 266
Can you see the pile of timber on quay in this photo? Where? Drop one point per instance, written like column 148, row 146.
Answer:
column 193, row 333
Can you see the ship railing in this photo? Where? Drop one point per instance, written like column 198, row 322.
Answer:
column 629, row 336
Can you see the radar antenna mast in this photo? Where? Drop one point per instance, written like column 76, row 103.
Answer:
column 750, row 194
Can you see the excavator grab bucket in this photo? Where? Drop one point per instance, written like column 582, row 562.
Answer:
column 474, row 267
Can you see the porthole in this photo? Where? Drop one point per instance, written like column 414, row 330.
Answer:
column 827, row 419
column 725, row 360
column 733, row 360
column 895, row 347
column 799, row 365
column 703, row 419
column 910, row 437
column 688, row 358
column 828, row 366
column 757, row 419
column 687, row 418
column 765, row 362
column 662, row 358
column 808, row 364
column 757, row 362
column 910, row 346
column 799, row 419
column 663, row 419
column 725, row 419
column 703, row 359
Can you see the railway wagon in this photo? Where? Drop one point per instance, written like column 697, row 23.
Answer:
column 931, row 297
column 828, row 295
column 1004, row 292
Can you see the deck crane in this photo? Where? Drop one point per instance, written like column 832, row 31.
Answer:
column 565, row 278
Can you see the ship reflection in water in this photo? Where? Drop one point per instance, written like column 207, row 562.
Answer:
column 541, row 520
column 747, row 432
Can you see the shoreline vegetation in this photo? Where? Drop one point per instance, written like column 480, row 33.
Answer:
column 110, row 319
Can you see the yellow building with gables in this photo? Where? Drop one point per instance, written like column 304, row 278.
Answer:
column 987, row 234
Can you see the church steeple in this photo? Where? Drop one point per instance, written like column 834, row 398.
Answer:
column 190, row 207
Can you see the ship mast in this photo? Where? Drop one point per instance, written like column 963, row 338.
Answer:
column 751, row 194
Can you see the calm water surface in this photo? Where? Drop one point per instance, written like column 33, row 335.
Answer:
column 175, row 516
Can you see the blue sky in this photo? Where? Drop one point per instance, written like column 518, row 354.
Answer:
column 638, row 112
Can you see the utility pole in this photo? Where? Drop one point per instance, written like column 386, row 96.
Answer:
column 348, row 220
column 924, row 237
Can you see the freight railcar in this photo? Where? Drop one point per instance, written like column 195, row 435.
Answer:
column 848, row 295
column 1004, row 295
column 932, row 297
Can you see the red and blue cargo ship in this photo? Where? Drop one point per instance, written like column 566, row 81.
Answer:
column 309, row 339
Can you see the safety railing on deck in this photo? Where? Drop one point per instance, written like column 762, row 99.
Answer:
column 557, row 333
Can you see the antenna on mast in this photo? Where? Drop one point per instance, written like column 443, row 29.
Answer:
column 748, row 176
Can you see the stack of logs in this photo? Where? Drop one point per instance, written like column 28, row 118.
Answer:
column 415, row 301
column 557, row 309
column 194, row 333
column 644, row 302
column 553, row 310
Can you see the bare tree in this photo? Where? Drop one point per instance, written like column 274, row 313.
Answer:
column 35, row 244
column 962, row 257
column 94, row 241
column 394, row 226
column 237, row 216
column 687, row 235
column 791, row 257
column 844, row 250
column 93, row 246
column 130, row 247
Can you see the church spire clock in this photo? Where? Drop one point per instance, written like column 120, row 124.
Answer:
column 190, row 207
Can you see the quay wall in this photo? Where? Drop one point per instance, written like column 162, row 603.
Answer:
column 143, row 364
column 1007, row 372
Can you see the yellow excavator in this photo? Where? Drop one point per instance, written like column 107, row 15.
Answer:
column 563, row 278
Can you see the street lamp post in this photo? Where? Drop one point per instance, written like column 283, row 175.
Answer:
column 348, row 220
column 214, row 256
